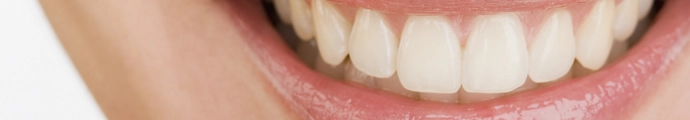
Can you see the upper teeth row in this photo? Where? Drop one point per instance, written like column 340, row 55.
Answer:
column 428, row 55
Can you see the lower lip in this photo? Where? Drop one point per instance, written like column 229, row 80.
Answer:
column 606, row 94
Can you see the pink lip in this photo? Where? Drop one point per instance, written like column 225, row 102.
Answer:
column 455, row 6
column 607, row 94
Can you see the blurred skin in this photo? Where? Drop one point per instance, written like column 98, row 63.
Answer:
column 183, row 59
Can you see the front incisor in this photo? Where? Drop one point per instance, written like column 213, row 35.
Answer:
column 495, row 56
column 429, row 57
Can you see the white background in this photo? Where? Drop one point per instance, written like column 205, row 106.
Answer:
column 37, row 79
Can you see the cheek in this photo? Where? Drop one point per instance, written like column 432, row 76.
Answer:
column 245, row 89
column 669, row 99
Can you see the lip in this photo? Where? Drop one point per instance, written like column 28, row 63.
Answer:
column 455, row 6
column 607, row 94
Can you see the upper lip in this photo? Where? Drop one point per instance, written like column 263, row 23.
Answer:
column 602, row 95
column 455, row 6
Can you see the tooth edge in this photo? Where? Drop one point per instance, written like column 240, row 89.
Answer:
column 563, row 54
column 411, row 40
column 373, row 46
column 475, row 77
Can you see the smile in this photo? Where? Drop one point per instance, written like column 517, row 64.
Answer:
column 395, row 59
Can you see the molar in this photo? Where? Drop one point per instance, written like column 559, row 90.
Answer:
column 495, row 57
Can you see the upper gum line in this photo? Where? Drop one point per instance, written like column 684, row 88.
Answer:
column 463, row 22
column 461, row 25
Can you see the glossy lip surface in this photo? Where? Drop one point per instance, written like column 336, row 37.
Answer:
column 607, row 94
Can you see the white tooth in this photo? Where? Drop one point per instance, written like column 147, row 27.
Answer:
column 625, row 20
column 301, row 19
column 283, row 9
column 332, row 31
column 594, row 37
column 429, row 56
column 373, row 46
column 644, row 8
column 495, row 58
column 553, row 50
column 392, row 84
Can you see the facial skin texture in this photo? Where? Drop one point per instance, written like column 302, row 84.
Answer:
column 183, row 59
column 162, row 59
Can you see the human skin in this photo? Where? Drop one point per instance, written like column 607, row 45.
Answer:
column 187, row 59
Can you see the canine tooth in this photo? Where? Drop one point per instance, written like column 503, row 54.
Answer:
column 392, row 84
column 429, row 56
column 644, row 8
column 301, row 19
column 495, row 58
column 625, row 19
column 356, row 76
column 283, row 9
column 373, row 46
column 332, row 31
column 594, row 37
column 333, row 72
column 440, row 97
column 553, row 50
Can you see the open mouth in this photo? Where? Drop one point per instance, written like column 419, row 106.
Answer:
column 397, row 59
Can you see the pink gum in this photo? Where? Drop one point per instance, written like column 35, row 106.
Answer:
column 462, row 23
